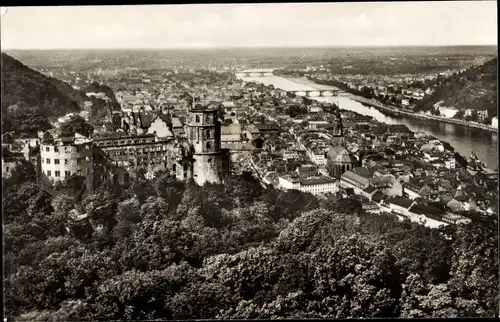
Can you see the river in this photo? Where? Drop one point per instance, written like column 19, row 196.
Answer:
column 463, row 139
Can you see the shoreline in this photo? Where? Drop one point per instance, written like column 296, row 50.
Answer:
column 396, row 112
column 376, row 105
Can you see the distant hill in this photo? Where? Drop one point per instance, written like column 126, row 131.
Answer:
column 29, row 99
column 475, row 88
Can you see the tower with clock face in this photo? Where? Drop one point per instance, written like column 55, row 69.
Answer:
column 203, row 131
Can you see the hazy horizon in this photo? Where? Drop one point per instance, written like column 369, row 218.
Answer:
column 234, row 26
column 253, row 47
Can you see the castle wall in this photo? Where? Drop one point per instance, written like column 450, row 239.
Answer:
column 208, row 168
column 59, row 161
column 119, row 156
column 211, row 164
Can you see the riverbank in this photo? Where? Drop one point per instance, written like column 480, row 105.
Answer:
column 396, row 112
column 462, row 139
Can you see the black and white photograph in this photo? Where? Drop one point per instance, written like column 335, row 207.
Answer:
column 326, row 160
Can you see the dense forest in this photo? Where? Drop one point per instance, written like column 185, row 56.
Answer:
column 163, row 249
column 475, row 88
column 30, row 98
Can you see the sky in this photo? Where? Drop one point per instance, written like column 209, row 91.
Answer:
column 251, row 25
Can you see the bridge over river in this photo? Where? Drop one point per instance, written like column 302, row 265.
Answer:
column 462, row 138
column 295, row 85
column 262, row 72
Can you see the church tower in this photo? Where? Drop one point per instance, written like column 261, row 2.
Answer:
column 339, row 159
column 203, row 131
column 338, row 130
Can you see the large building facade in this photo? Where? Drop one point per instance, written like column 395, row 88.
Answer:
column 118, row 156
column 63, row 157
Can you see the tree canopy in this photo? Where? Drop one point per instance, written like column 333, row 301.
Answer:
column 76, row 124
column 164, row 249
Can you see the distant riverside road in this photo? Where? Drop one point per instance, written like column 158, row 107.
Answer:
column 463, row 139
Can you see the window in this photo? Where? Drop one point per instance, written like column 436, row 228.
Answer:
column 56, row 161
column 56, row 149
column 67, row 173
column 66, row 161
column 208, row 134
column 197, row 118
column 209, row 160
column 48, row 173
column 58, row 173
column 87, row 147
column 208, row 145
column 42, row 161
column 87, row 170
column 47, row 149
column 79, row 161
column 174, row 167
column 47, row 161
column 87, row 159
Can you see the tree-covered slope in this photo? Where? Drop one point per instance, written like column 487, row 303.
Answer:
column 475, row 88
column 174, row 250
column 30, row 98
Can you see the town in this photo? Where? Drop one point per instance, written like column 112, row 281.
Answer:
column 206, row 125
column 241, row 161
column 406, row 93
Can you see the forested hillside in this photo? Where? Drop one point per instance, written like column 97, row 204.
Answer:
column 170, row 250
column 29, row 98
column 476, row 88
